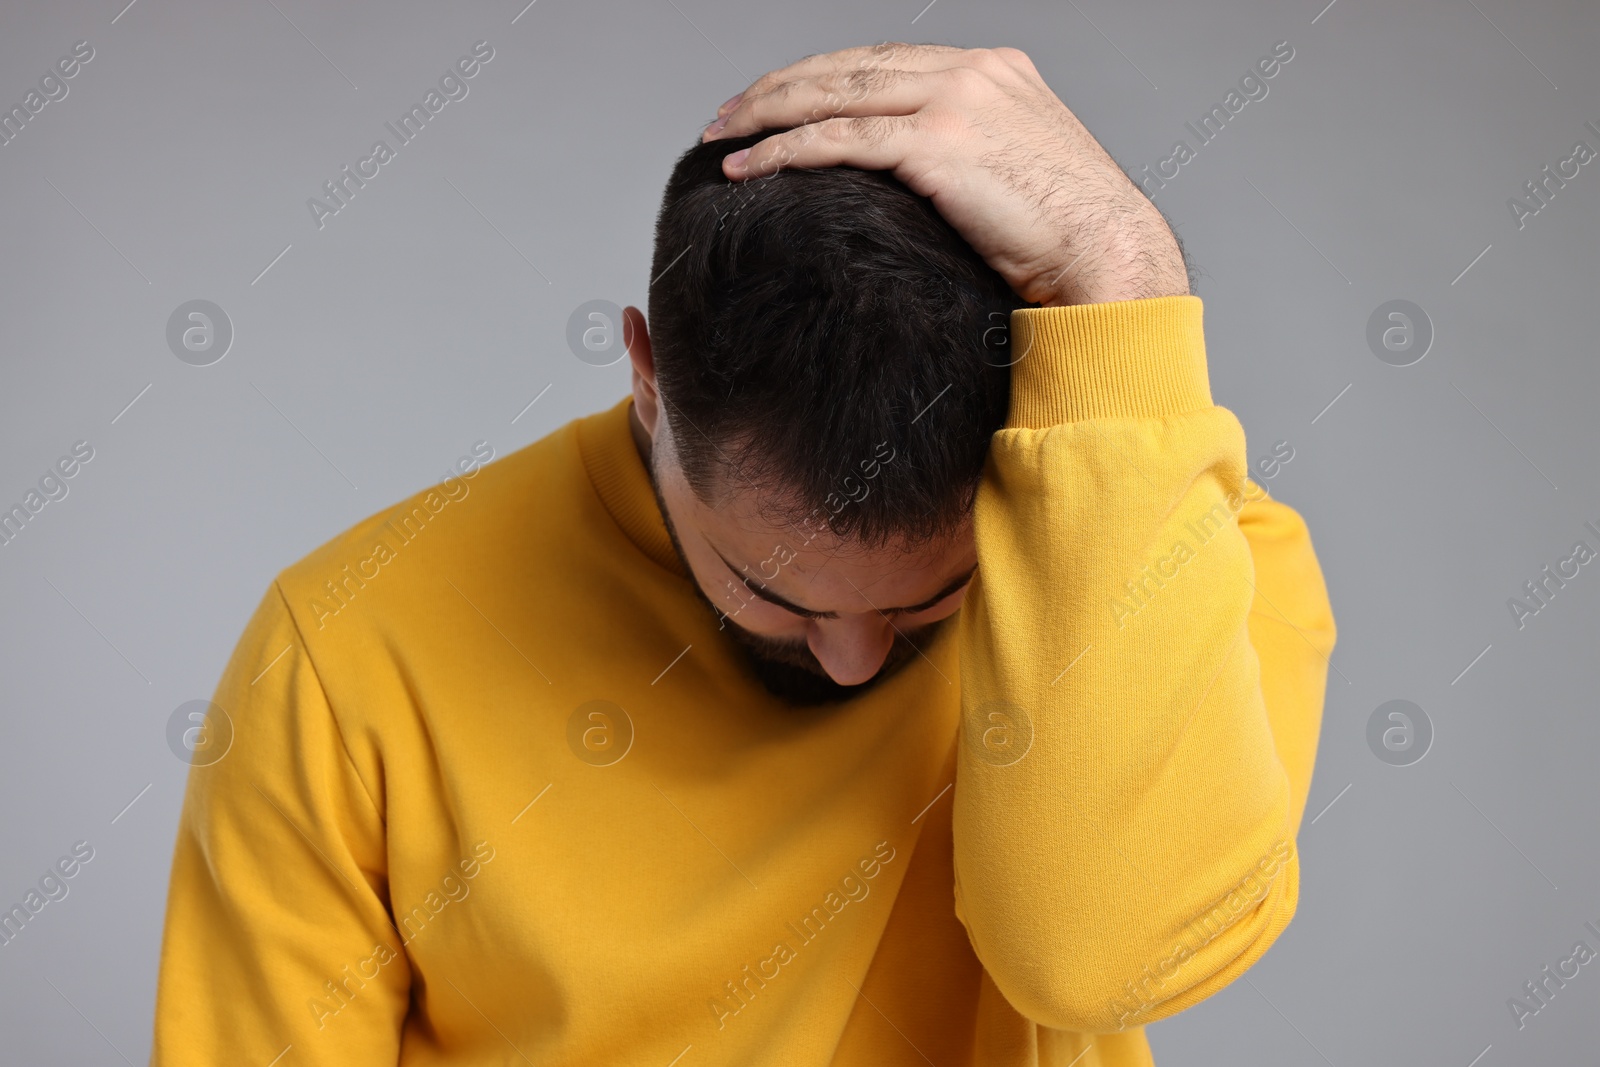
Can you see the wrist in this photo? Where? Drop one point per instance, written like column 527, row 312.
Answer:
column 1135, row 263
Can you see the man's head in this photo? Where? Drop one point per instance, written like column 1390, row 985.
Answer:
column 825, row 362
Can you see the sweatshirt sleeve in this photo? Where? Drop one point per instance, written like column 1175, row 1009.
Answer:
column 277, row 934
column 1143, row 659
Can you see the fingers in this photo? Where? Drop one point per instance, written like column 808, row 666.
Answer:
column 854, row 106
column 830, row 95
column 853, row 80
column 884, row 55
column 866, row 142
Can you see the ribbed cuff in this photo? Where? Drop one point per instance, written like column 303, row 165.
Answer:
column 1124, row 358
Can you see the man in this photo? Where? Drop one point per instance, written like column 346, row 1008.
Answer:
column 992, row 749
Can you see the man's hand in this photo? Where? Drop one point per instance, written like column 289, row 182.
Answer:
column 978, row 132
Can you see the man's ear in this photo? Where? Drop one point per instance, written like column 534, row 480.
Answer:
column 636, row 336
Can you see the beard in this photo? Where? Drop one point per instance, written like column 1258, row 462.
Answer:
column 789, row 670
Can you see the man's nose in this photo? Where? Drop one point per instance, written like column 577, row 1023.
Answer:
column 851, row 650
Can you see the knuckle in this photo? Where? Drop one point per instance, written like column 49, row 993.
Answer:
column 836, row 130
column 760, row 105
column 969, row 80
column 999, row 62
column 767, row 90
column 772, row 159
column 886, row 51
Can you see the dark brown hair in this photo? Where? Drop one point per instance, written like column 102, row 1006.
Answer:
column 825, row 336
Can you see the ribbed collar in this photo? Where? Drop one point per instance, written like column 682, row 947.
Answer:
column 618, row 474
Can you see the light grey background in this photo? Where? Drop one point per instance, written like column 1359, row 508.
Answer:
column 430, row 312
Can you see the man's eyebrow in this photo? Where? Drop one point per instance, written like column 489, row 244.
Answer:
column 755, row 586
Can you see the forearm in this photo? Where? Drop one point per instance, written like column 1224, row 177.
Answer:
column 1112, row 611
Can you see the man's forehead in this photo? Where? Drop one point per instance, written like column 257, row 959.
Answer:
column 827, row 574
column 744, row 519
column 787, row 553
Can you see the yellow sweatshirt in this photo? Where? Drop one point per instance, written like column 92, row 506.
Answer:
column 493, row 789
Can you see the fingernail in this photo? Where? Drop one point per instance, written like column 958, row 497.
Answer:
column 713, row 128
column 737, row 158
column 730, row 103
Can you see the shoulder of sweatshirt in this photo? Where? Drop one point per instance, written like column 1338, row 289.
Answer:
column 397, row 581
